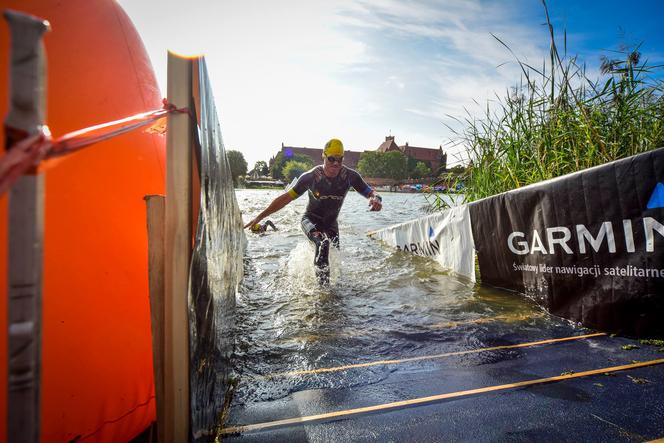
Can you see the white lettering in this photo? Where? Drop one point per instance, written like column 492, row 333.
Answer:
column 537, row 244
column 523, row 245
column 606, row 230
column 562, row 241
column 562, row 235
column 650, row 225
column 629, row 235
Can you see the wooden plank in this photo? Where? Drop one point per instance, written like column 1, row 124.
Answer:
column 196, row 160
column 155, row 218
column 178, row 235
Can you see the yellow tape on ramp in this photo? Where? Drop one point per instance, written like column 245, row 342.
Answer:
column 431, row 357
column 430, row 399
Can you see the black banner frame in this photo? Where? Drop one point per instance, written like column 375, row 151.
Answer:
column 586, row 245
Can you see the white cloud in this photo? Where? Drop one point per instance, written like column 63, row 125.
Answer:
column 301, row 72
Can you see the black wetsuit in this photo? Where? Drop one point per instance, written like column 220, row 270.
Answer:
column 326, row 196
column 265, row 225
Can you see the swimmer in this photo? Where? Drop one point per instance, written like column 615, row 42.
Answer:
column 327, row 186
column 259, row 228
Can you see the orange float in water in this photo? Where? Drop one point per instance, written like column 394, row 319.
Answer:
column 97, row 380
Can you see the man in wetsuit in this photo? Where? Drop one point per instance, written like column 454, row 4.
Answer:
column 260, row 228
column 327, row 185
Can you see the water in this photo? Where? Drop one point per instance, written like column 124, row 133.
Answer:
column 381, row 303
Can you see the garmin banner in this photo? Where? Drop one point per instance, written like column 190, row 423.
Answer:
column 445, row 236
column 589, row 245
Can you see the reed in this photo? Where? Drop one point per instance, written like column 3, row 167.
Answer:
column 557, row 120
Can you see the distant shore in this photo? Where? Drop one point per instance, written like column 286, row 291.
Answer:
column 394, row 191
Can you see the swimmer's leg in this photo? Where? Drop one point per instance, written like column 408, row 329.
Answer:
column 330, row 238
column 322, row 260
column 333, row 234
column 319, row 237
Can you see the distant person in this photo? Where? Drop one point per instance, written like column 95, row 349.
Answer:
column 260, row 228
column 327, row 185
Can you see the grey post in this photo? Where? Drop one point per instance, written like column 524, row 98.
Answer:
column 26, row 227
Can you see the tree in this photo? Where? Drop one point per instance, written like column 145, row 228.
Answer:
column 377, row 164
column 237, row 163
column 458, row 170
column 396, row 165
column 371, row 164
column 294, row 169
column 277, row 163
column 260, row 168
column 412, row 165
column 420, row 170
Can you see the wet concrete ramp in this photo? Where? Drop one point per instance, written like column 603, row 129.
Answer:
column 569, row 385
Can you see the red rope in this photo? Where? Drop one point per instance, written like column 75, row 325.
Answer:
column 22, row 156
column 30, row 151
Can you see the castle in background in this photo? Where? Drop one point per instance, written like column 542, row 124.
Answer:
column 436, row 159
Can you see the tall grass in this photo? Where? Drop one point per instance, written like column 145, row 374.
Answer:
column 557, row 121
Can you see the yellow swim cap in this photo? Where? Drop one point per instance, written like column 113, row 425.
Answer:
column 334, row 148
column 256, row 228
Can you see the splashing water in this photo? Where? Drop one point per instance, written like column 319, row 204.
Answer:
column 301, row 270
column 381, row 303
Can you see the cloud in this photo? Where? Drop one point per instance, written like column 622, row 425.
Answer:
column 443, row 55
column 300, row 72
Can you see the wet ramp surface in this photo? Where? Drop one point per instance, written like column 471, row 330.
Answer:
column 398, row 350
column 612, row 405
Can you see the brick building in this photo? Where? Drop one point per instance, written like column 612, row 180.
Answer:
column 316, row 155
column 436, row 159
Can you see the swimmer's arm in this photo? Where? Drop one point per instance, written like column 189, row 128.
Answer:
column 276, row 205
column 358, row 183
column 375, row 200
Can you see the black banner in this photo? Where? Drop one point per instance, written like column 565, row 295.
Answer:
column 589, row 246
column 216, row 270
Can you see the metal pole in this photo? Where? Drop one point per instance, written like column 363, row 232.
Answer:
column 26, row 227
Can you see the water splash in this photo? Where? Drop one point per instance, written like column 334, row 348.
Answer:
column 381, row 303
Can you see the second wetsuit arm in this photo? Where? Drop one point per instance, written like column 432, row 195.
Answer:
column 276, row 205
column 375, row 200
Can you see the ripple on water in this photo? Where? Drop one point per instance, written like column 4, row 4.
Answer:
column 381, row 304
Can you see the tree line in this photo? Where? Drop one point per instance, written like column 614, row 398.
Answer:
column 393, row 165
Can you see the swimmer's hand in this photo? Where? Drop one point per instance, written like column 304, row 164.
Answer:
column 252, row 223
column 375, row 203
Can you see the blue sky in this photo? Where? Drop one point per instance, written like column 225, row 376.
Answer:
column 302, row 72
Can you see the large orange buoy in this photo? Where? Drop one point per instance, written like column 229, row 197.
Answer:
column 97, row 381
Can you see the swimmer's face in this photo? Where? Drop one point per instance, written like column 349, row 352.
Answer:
column 333, row 165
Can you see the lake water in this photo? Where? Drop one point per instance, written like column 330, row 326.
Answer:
column 381, row 303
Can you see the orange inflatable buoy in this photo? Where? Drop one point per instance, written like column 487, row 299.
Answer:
column 97, row 379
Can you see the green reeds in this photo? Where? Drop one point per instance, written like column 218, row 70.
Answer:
column 557, row 121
